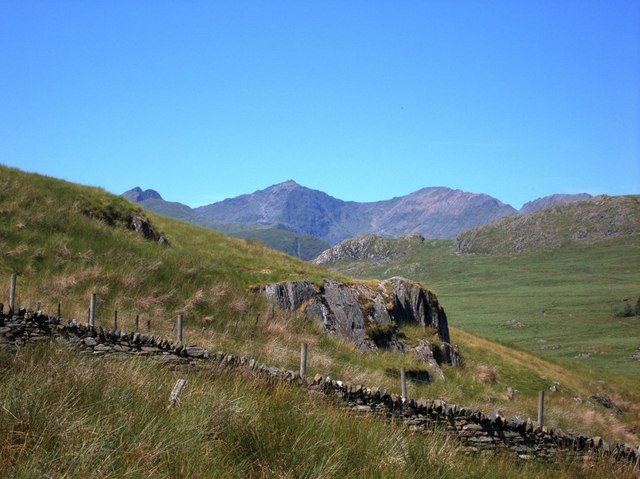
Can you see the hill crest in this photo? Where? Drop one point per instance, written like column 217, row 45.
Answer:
column 597, row 218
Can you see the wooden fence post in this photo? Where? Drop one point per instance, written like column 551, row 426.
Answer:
column 92, row 310
column 180, row 319
column 137, row 323
column 115, row 320
column 148, row 326
column 12, row 294
column 58, row 310
column 403, row 383
column 177, row 389
column 303, row 360
column 540, row 408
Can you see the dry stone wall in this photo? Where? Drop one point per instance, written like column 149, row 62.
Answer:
column 476, row 430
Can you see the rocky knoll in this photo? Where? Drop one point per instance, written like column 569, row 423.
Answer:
column 365, row 313
column 374, row 249
column 598, row 218
column 549, row 201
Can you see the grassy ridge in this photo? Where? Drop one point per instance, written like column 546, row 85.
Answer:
column 590, row 220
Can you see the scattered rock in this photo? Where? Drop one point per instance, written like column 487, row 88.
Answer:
column 548, row 347
column 607, row 402
column 512, row 323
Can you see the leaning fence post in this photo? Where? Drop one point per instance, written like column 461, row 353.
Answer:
column 92, row 310
column 180, row 318
column 303, row 360
column 176, row 392
column 403, row 383
column 12, row 294
column 540, row 408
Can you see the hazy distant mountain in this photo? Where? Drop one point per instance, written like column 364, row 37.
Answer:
column 548, row 201
column 431, row 212
column 594, row 219
column 274, row 236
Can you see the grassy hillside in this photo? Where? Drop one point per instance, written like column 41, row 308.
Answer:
column 282, row 239
column 63, row 254
column 595, row 219
column 275, row 237
column 109, row 419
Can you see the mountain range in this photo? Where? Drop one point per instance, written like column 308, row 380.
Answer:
column 304, row 215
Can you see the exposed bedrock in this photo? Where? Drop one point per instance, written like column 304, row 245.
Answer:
column 355, row 310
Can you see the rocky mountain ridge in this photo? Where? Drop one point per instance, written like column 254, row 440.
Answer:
column 435, row 212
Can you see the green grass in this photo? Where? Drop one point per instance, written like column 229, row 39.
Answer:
column 566, row 298
column 109, row 418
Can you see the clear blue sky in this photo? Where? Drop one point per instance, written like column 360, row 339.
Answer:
column 366, row 100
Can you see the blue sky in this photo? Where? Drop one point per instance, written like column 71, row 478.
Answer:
column 366, row 100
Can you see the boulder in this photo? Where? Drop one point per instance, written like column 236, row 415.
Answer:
column 350, row 309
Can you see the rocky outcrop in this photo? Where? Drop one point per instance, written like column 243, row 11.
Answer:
column 352, row 311
column 431, row 212
column 374, row 249
column 141, row 225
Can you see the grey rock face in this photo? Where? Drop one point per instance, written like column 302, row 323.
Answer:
column 348, row 310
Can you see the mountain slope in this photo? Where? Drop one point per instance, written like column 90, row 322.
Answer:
column 594, row 219
column 274, row 236
column 431, row 212
column 549, row 201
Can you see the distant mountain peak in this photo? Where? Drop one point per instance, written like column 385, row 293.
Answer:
column 137, row 194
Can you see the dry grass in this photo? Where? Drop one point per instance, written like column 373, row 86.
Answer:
column 485, row 374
